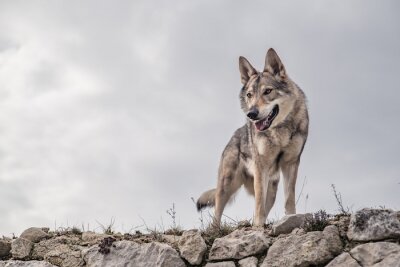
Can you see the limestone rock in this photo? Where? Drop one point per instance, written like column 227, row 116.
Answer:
column 373, row 225
column 248, row 262
column 221, row 264
column 62, row 251
column 34, row 234
column 12, row 263
column 383, row 254
column 171, row 239
column 5, row 248
column 92, row 238
column 288, row 223
column 313, row 248
column 343, row 259
column 65, row 256
column 131, row 254
column 21, row 248
column 192, row 247
column 45, row 229
column 239, row 244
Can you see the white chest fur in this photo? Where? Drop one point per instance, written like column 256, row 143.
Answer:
column 261, row 145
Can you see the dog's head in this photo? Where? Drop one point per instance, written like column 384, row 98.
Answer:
column 266, row 97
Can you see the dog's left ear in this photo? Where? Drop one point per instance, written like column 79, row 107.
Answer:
column 273, row 65
column 246, row 70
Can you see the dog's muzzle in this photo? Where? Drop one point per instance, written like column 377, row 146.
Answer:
column 264, row 124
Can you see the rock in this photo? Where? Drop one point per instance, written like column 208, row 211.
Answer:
column 239, row 244
column 65, row 256
column 298, row 231
column 373, row 225
column 34, row 234
column 21, row 248
column 383, row 254
column 92, row 238
column 131, row 254
column 192, row 247
column 172, row 239
column 248, row 262
column 313, row 248
column 12, row 263
column 61, row 251
column 221, row 264
column 288, row 223
column 45, row 229
column 343, row 259
column 5, row 248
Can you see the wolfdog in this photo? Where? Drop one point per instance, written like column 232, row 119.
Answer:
column 271, row 141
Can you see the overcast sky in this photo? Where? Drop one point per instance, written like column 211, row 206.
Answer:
column 117, row 109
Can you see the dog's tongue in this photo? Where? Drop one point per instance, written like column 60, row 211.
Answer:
column 262, row 125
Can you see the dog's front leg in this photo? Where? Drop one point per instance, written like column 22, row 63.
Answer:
column 272, row 188
column 259, row 193
column 289, row 171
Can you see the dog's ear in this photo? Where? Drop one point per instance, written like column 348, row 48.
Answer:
column 246, row 70
column 273, row 65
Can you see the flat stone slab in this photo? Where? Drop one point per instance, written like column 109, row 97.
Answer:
column 131, row 254
column 192, row 247
column 344, row 260
column 12, row 263
column 374, row 225
column 239, row 244
column 288, row 223
column 313, row 248
column 248, row 262
column 61, row 251
column 221, row 264
column 384, row 254
column 5, row 248
column 21, row 248
column 34, row 234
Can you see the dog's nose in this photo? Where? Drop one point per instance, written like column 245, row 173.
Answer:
column 252, row 114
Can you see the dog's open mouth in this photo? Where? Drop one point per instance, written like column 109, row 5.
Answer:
column 264, row 124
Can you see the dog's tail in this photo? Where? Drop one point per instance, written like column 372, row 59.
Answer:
column 207, row 199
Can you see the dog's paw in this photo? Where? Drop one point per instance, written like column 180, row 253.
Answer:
column 258, row 227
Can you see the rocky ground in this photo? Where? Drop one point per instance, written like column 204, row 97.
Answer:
column 369, row 237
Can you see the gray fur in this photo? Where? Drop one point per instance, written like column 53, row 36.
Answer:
column 254, row 158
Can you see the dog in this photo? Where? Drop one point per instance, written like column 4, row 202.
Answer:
column 271, row 141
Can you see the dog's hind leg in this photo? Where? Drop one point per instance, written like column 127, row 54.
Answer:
column 227, row 187
column 229, row 181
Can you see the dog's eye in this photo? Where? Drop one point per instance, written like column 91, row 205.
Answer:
column 268, row 91
column 249, row 95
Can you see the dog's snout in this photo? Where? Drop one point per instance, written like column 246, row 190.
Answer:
column 252, row 114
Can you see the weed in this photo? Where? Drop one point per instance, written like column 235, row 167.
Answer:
column 109, row 229
column 172, row 212
column 339, row 201
column 76, row 231
column 212, row 231
column 317, row 221
column 106, row 244
column 302, row 187
column 155, row 235
column 175, row 228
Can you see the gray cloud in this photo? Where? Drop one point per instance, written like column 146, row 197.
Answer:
column 121, row 110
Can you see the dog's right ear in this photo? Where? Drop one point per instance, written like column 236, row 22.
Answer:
column 246, row 70
column 273, row 65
